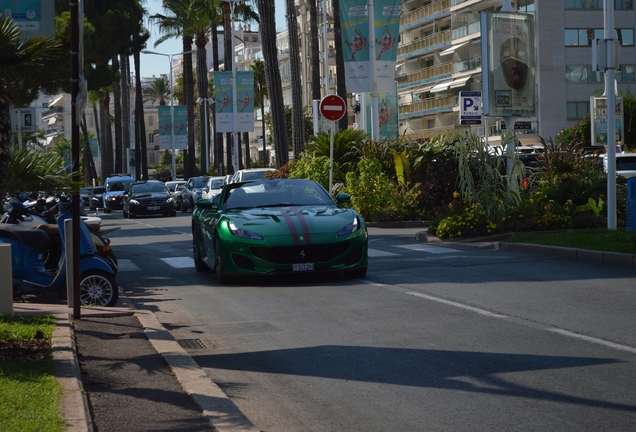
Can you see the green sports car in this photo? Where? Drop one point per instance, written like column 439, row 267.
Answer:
column 278, row 226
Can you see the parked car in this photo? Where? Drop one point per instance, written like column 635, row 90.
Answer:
column 148, row 197
column 625, row 164
column 213, row 187
column 115, row 186
column 175, row 187
column 278, row 226
column 96, row 198
column 191, row 192
column 250, row 174
column 85, row 195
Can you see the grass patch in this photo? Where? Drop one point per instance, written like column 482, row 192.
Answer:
column 29, row 391
column 600, row 239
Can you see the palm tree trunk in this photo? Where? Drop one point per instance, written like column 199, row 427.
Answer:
column 119, row 165
column 190, row 169
column 99, row 135
column 298, row 121
column 229, row 54
column 246, row 139
column 202, row 87
column 218, row 137
column 267, row 12
column 107, row 143
column 315, row 51
column 141, row 154
column 89, row 164
column 125, row 104
column 5, row 135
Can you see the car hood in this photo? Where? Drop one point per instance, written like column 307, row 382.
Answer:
column 150, row 195
column 319, row 223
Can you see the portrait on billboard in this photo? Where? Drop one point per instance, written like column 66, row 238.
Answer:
column 511, row 64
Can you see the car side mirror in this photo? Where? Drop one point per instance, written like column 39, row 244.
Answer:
column 206, row 204
column 343, row 198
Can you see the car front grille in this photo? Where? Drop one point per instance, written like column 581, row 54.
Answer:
column 151, row 201
column 300, row 254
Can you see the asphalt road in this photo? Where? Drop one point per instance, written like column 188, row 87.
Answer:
column 435, row 338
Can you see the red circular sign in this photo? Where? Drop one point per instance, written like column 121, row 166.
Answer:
column 333, row 107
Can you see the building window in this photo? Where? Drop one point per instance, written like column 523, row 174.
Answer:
column 626, row 74
column 584, row 37
column 151, row 120
column 151, row 138
column 578, row 110
column 598, row 4
column 582, row 74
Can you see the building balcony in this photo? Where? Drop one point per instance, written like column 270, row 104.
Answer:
column 425, row 75
column 428, row 106
column 466, row 30
column 424, row 12
column 425, row 43
column 422, row 134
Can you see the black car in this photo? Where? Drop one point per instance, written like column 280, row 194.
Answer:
column 96, row 197
column 148, row 198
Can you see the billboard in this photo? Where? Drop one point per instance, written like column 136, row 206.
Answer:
column 224, row 106
column 33, row 17
column 166, row 129
column 599, row 121
column 508, row 64
column 356, row 44
column 387, row 115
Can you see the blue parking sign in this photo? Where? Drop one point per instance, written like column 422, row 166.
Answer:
column 470, row 108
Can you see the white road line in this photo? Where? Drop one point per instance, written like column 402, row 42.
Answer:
column 124, row 265
column 428, row 248
column 593, row 340
column 374, row 253
column 179, row 262
column 455, row 304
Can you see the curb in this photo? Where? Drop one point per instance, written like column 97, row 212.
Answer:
column 222, row 413
column 73, row 401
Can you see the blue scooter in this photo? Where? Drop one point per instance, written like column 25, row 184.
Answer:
column 30, row 249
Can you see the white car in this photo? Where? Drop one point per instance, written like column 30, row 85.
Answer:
column 213, row 187
column 625, row 164
column 250, row 174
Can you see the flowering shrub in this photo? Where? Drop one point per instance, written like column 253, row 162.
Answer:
column 470, row 222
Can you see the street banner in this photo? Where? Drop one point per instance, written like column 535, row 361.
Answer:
column 599, row 121
column 508, row 64
column 388, row 114
column 94, row 145
column 33, row 17
column 224, row 106
column 356, row 48
column 166, row 129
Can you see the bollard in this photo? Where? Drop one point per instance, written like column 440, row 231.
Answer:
column 6, row 281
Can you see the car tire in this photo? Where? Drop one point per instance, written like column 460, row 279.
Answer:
column 219, row 268
column 131, row 215
column 124, row 213
column 173, row 214
column 106, row 209
column 184, row 208
column 199, row 265
column 191, row 204
column 357, row 273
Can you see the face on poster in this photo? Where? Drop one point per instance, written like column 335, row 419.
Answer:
column 511, row 65
column 245, row 100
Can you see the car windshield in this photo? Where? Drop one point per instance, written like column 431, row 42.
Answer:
column 199, row 182
column 216, row 184
column 253, row 175
column 117, row 186
column 147, row 188
column 277, row 193
column 98, row 190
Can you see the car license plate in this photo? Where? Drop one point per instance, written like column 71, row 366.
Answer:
column 153, row 208
column 303, row 267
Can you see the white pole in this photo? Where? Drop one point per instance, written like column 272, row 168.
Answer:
column 331, row 155
column 611, row 115
column 375, row 117
column 234, row 113
column 173, row 168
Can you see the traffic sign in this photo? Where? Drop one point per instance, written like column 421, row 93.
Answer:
column 333, row 107
column 470, row 108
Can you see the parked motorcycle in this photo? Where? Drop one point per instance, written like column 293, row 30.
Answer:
column 30, row 249
column 44, row 216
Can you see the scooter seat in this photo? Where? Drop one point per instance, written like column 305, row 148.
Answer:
column 50, row 229
column 34, row 238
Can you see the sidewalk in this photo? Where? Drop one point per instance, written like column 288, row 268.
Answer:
column 134, row 374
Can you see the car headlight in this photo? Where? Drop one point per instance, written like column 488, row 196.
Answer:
column 243, row 233
column 169, row 200
column 133, row 202
column 350, row 228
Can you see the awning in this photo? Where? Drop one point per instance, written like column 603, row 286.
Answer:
column 49, row 140
column 452, row 49
column 56, row 100
column 52, row 121
column 422, row 89
column 441, row 86
column 460, row 81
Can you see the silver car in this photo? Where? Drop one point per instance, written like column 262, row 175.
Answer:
column 213, row 187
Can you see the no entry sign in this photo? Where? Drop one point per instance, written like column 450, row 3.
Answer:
column 333, row 107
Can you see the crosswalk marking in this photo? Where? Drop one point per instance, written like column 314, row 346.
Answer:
column 428, row 248
column 124, row 265
column 179, row 262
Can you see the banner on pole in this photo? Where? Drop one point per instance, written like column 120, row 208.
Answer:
column 599, row 121
column 387, row 114
column 180, row 127
column 355, row 44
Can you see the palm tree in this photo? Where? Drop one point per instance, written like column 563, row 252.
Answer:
column 178, row 23
column 267, row 13
column 260, row 93
column 17, row 59
column 315, row 51
column 297, row 96
column 158, row 90
column 341, row 85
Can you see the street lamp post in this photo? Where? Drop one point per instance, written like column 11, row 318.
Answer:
column 234, row 113
column 173, row 168
column 208, row 101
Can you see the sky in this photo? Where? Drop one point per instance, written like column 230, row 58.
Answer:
column 157, row 64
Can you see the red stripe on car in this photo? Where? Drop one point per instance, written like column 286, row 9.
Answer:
column 292, row 227
column 303, row 225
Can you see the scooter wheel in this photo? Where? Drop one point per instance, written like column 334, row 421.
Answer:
column 98, row 288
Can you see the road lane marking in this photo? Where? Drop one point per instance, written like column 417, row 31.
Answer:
column 592, row 340
column 428, row 248
column 179, row 262
column 124, row 265
column 457, row 305
column 374, row 253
